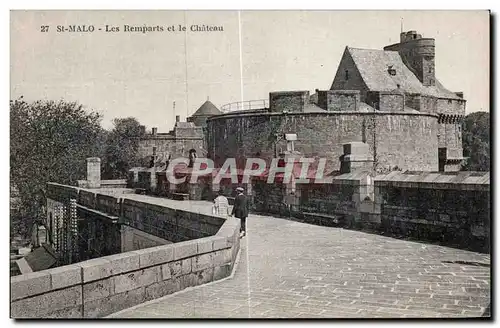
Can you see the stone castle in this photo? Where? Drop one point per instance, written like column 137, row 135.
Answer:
column 389, row 99
column 184, row 137
column 391, row 135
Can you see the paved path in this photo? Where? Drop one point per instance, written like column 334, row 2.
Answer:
column 294, row 270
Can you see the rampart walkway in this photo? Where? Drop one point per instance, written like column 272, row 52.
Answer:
column 294, row 270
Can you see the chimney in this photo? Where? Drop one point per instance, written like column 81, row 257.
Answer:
column 177, row 118
column 418, row 54
column 153, row 131
column 94, row 172
column 356, row 158
column 402, row 37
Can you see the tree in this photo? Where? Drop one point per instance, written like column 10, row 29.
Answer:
column 122, row 148
column 476, row 141
column 49, row 142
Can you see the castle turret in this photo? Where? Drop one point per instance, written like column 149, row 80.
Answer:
column 199, row 118
column 418, row 54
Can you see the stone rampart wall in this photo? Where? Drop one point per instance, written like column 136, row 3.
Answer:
column 99, row 287
column 457, row 214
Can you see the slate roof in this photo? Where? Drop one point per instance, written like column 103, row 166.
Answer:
column 373, row 64
column 185, row 125
column 41, row 258
column 207, row 109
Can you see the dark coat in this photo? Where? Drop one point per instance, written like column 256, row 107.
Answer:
column 240, row 208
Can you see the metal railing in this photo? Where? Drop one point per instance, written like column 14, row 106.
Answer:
column 245, row 105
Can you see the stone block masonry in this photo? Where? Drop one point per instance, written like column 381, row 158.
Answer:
column 176, row 143
column 142, row 213
column 452, row 207
column 171, row 224
column 295, row 270
column 206, row 251
column 288, row 101
column 339, row 100
column 99, row 287
column 94, row 172
column 395, row 139
column 134, row 239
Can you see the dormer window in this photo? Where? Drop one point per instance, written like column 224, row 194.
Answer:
column 391, row 70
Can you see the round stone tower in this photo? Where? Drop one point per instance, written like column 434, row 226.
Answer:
column 418, row 54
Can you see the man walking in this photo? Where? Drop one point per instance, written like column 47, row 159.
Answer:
column 221, row 204
column 289, row 202
column 240, row 210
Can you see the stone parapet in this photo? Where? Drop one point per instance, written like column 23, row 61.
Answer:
column 93, row 172
column 99, row 287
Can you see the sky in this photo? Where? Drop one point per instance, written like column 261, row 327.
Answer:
column 123, row 74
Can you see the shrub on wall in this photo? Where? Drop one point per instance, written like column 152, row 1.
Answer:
column 476, row 141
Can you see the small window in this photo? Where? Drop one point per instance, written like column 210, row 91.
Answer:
column 430, row 69
column 347, row 74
